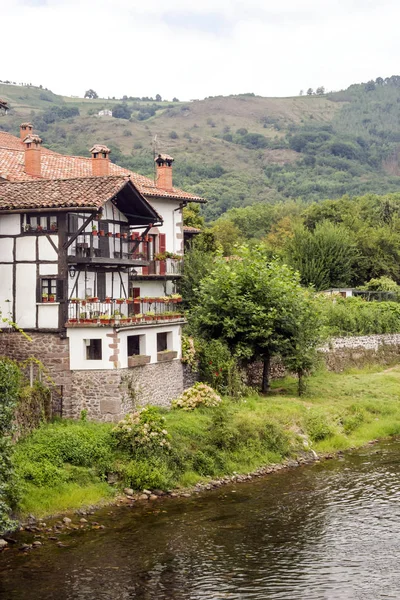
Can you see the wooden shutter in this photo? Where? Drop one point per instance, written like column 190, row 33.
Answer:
column 101, row 285
column 60, row 290
column 162, row 246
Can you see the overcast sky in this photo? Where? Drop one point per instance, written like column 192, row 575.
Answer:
column 198, row 49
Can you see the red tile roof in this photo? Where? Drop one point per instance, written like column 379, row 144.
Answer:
column 56, row 166
column 85, row 192
column 188, row 229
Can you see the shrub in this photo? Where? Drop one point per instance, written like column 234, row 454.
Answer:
column 141, row 474
column 317, row 427
column 200, row 394
column 142, row 431
column 189, row 352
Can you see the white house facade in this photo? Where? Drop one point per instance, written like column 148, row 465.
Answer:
column 88, row 268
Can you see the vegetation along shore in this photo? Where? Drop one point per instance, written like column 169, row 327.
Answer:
column 67, row 465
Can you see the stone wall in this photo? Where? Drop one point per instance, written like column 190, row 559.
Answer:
column 341, row 354
column 360, row 351
column 109, row 395
column 51, row 350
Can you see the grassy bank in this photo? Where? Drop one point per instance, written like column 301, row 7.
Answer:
column 65, row 465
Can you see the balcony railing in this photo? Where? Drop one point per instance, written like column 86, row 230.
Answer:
column 169, row 266
column 123, row 312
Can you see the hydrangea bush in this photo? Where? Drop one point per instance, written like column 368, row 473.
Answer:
column 200, row 394
column 142, row 430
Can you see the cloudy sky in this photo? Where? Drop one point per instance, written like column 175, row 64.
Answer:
column 198, row 49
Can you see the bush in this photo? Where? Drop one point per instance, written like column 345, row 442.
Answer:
column 142, row 432
column 356, row 316
column 317, row 427
column 200, row 394
column 142, row 474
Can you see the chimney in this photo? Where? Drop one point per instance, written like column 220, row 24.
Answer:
column 32, row 155
column 24, row 130
column 164, row 172
column 100, row 160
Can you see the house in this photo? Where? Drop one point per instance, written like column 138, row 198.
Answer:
column 105, row 113
column 90, row 254
column 3, row 106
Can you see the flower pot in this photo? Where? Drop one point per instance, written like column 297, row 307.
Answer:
column 95, row 233
column 124, row 235
column 120, row 301
column 102, row 233
column 107, row 301
column 105, row 321
column 45, row 299
column 109, row 234
column 72, row 320
column 117, row 235
column 136, row 301
column 51, row 299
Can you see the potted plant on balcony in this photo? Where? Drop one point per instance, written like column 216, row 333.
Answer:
column 52, row 297
column 94, row 230
column 118, row 234
column 109, row 234
column 149, row 316
column 137, row 300
column 74, row 300
column 102, row 233
column 45, row 297
column 124, row 235
column 107, row 300
column 176, row 298
column 92, row 298
column 120, row 300
column 53, row 225
column 27, row 227
column 105, row 319
column 39, row 228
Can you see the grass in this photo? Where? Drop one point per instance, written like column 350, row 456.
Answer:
column 63, row 465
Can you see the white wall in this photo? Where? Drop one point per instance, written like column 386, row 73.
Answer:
column 48, row 315
column 25, row 308
column 6, row 278
column 46, row 250
column 6, row 249
column 171, row 217
column 78, row 349
column 26, row 248
column 150, row 288
column 10, row 224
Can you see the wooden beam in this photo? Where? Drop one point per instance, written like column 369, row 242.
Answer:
column 68, row 243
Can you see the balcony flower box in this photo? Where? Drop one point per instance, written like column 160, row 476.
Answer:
column 72, row 320
column 166, row 355
column 120, row 300
column 138, row 360
column 107, row 300
column 92, row 299
column 105, row 320
column 137, row 300
column 74, row 300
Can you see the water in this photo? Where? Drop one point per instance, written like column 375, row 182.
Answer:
column 330, row 531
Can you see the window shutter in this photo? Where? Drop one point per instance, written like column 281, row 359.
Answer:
column 60, row 290
column 162, row 242
column 162, row 246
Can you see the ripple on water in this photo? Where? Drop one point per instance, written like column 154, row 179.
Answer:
column 330, row 531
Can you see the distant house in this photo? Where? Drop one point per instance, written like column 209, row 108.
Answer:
column 105, row 113
column 90, row 254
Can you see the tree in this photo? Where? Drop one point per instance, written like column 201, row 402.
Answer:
column 320, row 91
column 121, row 111
column 323, row 257
column 199, row 261
column 91, row 94
column 175, row 100
column 192, row 216
column 301, row 92
column 227, row 235
column 256, row 307
column 158, row 98
column 310, row 92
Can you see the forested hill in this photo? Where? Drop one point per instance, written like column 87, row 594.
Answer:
column 235, row 150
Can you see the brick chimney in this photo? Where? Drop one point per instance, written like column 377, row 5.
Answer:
column 164, row 172
column 24, row 130
column 100, row 160
column 32, row 155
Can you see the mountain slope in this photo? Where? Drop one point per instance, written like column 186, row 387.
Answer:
column 236, row 150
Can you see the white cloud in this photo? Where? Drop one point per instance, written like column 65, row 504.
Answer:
column 213, row 47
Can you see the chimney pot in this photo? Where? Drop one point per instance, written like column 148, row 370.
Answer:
column 24, row 130
column 164, row 172
column 100, row 160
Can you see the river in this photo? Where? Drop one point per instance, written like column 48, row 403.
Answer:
column 328, row 531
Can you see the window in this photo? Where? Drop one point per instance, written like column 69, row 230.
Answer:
column 133, row 345
column 93, row 349
column 48, row 290
column 162, row 342
column 40, row 223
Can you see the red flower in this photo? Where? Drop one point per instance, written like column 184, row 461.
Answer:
column 210, row 362
column 216, row 374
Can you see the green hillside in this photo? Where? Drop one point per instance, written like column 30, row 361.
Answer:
column 236, row 150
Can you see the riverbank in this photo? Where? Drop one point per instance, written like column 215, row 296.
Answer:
column 69, row 465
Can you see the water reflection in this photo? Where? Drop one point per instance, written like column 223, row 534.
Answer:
column 329, row 531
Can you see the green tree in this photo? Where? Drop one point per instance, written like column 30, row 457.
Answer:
column 10, row 379
column 323, row 257
column 192, row 216
column 198, row 263
column 91, row 94
column 227, row 235
column 310, row 92
column 158, row 98
column 121, row 111
column 256, row 307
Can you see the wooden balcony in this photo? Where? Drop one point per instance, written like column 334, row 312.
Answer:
column 124, row 312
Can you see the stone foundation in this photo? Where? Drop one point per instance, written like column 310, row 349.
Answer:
column 109, row 395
